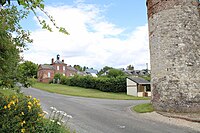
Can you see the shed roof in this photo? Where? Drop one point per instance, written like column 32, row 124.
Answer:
column 139, row 80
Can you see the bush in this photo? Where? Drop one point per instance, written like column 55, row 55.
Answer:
column 19, row 113
column 106, row 84
column 25, row 113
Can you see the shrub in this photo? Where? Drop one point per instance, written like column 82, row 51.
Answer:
column 25, row 113
column 19, row 113
column 106, row 84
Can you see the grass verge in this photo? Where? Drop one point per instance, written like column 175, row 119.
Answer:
column 7, row 91
column 143, row 108
column 83, row 92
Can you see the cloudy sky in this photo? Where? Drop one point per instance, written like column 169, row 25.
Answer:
column 104, row 33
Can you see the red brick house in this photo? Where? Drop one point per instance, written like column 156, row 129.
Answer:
column 46, row 72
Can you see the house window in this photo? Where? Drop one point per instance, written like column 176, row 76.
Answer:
column 49, row 74
column 63, row 68
column 57, row 67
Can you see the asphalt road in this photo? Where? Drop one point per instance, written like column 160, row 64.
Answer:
column 91, row 115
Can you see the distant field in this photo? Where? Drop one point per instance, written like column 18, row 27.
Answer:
column 84, row 92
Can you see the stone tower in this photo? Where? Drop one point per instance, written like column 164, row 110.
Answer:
column 174, row 38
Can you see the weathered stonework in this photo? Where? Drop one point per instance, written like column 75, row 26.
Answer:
column 174, row 38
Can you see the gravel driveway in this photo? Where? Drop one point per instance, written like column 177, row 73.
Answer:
column 91, row 115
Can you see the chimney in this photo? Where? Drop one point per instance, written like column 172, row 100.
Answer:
column 52, row 60
column 62, row 61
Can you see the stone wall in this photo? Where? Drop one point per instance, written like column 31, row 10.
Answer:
column 174, row 38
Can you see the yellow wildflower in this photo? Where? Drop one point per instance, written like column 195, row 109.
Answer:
column 23, row 130
column 22, row 113
column 5, row 107
column 12, row 102
column 14, row 97
column 40, row 115
column 8, row 106
column 29, row 103
column 38, row 104
column 29, row 107
column 17, row 100
column 22, row 123
column 38, row 100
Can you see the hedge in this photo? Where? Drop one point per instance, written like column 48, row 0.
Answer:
column 105, row 84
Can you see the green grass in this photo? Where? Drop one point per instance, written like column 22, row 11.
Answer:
column 143, row 108
column 7, row 91
column 83, row 92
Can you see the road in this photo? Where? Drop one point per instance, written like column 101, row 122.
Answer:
column 91, row 115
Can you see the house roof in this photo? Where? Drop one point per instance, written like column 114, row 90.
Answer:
column 46, row 66
column 58, row 62
column 91, row 71
column 139, row 80
column 71, row 68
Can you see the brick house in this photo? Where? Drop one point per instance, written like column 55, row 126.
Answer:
column 46, row 72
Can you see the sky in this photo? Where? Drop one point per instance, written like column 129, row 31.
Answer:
column 102, row 33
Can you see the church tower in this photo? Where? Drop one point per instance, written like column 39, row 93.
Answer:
column 174, row 39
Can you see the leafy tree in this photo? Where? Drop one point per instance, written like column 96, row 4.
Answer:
column 103, row 70
column 33, row 5
column 26, row 73
column 84, row 68
column 130, row 67
column 13, row 38
column 113, row 73
column 9, row 58
column 28, row 69
column 78, row 67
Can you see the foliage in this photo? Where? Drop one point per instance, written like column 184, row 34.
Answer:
column 19, row 113
column 9, row 58
column 78, row 67
column 117, row 84
column 103, row 70
column 28, row 69
column 25, row 113
column 26, row 72
column 33, row 5
column 143, row 108
column 57, row 78
column 113, row 73
column 130, row 67
column 14, row 38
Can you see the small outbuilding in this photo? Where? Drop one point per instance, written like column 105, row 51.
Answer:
column 137, row 86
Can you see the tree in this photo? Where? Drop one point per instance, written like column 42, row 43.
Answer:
column 103, row 70
column 113, row 73
column 28, row 69
column 78, row 67
column 33, row 5
column 130, row 67
column 9, row 58
column 13, row 38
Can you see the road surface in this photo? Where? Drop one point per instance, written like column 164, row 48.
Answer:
column 91, row 115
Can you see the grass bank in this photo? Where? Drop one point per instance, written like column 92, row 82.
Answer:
column 7, row 91
column 143, row 108
column 83, row 92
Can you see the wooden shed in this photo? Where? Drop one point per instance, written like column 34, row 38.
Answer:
column 138, row 87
